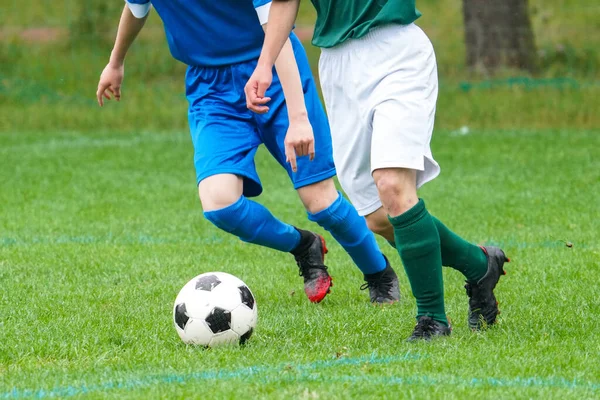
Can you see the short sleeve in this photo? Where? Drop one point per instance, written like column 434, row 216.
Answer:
column 262, row 8
column 139, row 8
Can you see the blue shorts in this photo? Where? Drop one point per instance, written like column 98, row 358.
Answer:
column 226, row 135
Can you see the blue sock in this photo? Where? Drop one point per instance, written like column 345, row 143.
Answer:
column 351, row 231
column 253, row 223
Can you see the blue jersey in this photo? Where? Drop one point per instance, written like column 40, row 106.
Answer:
column 210, row 33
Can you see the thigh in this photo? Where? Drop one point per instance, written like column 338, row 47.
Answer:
column 350, row 130
column 403, row 102
column 223, row 131
column 224, row 146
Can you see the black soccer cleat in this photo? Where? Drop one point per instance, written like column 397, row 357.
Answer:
column 483, row 306
column 310, row 257
column 427, row 328
column 383, row 286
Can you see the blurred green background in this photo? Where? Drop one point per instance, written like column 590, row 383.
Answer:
column 52, row 52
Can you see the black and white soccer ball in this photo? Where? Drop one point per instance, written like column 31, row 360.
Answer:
column 213, row 309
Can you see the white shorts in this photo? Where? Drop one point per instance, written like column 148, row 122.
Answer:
column 380, row 92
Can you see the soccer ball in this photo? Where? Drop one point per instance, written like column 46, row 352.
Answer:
column 213, row 309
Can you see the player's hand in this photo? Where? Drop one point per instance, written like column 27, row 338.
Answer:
column 256, row 89
column 299, row 141
column 110, row 83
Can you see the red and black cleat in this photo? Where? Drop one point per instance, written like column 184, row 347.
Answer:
column 310, row 257
column 483, row 306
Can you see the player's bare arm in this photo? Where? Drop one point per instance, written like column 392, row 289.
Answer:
column 111, row 78
column 281, row 21
column 299, row 140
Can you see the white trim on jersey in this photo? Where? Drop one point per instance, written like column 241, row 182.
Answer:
column 139, row 10
column 263, row 13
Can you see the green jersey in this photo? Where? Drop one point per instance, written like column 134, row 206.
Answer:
column 339, row 20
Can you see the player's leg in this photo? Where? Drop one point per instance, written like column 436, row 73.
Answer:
column 402, row 107
column 367, row 64
column 314, row 182
column 225, row 141
column 326, row 206
column 379, row 224
column 351, row 154
column 457, row 253
column 403, row 118
column 350, row 230
column 418, row 245
column 228, row 209
column 227, row 177
column 339, row 217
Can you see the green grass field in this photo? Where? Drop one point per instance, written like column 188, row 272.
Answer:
column 100, row 227
column 98, row 232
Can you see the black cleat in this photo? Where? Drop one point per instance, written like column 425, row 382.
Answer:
column 483, row 306
column 428, row 328
column 310, row 257
column 383, row 286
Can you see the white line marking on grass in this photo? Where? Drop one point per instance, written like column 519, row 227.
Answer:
column 448, row 380
column 254, row 372
column 297, row 373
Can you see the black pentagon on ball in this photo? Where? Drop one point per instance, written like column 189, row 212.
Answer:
column 181, row 317
column 247, row 297
column 219, row 320
column 208, row 283
column 244, row 338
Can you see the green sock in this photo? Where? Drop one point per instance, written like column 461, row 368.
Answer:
column 461, row 255
column 418, row 244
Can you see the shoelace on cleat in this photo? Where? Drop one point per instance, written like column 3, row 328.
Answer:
column 305, row 267
column 379, row 284
column 423, row 327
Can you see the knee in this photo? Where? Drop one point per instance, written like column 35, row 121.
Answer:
column 397, row 190
column 212, row 202
column 219, row 191
column 318, row 196
column 389, row 186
